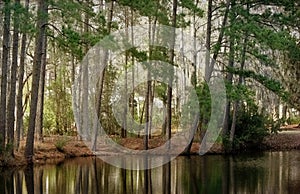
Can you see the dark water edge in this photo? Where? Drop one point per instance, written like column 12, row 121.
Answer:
column 265, row 172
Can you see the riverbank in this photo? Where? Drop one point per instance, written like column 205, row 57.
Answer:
column 51, row 150
column 286, row 139
column 56, row 149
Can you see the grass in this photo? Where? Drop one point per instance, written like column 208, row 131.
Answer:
column 61, row 143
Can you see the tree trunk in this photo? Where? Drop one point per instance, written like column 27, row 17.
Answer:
column 233, row 124
column 85, row 79
column 41, row 26
column 13, row 80
column 125, row 104
column 241, row 79
column 208, row 40
column 40, row 110
column 19, row 123
column 229, row 76
column 169, row 88
column 218, row 44
column 102, row 78
column 5, row 56
column 147, row 103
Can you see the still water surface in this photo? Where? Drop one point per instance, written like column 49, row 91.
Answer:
column 269, row 172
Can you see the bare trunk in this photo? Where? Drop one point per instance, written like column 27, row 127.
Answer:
column 125, row 108
column 101, row 80
column 5, row 56
column 229, row 77
column 85, row 78
column 208, row 40
column 241, row 79
column 40, row 110
column 133, row 69
column 169, row 88
column 19, row 123
column 13, row 80
column 233, row 125
column 218, row 44
column 41, row 25
column 147, row 102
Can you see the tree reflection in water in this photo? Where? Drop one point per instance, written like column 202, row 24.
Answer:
column 277, row 172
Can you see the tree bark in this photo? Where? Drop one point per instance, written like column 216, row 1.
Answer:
column 218, row 44
column 41, row 25
column 102, row 78
column 169, row 87
column 5, row 56
column 147, row 103
column 229, row 75
column 240, row 82
column 13, row 80
column 41, row 97
column 208, row 40
column 19, row 122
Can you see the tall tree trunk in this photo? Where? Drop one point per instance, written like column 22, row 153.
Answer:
column 147, row 103
column 207, row 68
column 229, row 80
column 5, row 56
column 133, row 67
column 241, row 80
column 125, row 108
column 229, row 76
column 85, row 78
column 208, row 40
column 19, row 122
column 169, row 88
column 209, row 71
column 13, row 80
column 41, row 26
column 40, row 109
column 102, row 78
column 194, row 78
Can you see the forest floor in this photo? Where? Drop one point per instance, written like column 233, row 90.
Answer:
column 286, row 139
column 56, row 149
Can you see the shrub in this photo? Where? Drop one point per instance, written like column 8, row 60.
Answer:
column 251, row 128
column 61, row 143
column 294, row 120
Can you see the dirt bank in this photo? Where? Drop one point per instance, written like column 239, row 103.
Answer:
column 52, row 150
column 55, row 149
column 287, row 139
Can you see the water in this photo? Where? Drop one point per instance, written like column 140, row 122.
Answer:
column 269, row 172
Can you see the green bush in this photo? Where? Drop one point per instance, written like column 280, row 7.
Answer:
column 61, row 143
column 251, row 128
column 294, row 120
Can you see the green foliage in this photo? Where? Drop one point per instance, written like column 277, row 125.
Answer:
column 148, row 8
column 58, row 111
column 204, row 101
column 251, row 128
column 189, row 4
column 61, row 143
column 294, row 120
column 268, row 82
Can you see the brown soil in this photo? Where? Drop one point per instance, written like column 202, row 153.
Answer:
column 287, row 139
column 48, row 152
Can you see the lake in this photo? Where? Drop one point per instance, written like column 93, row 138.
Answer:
column 267, row 172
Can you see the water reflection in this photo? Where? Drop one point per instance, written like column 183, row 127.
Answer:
column 277, row 172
